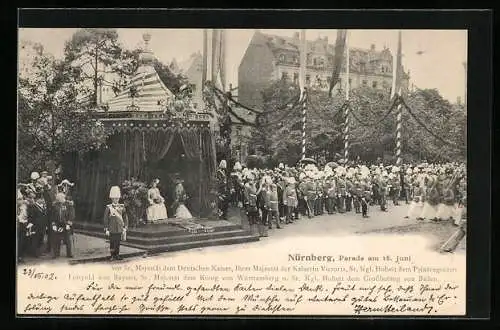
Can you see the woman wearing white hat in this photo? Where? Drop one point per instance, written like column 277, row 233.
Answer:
column 115, row 222
column 181, row 212
column 156, row 209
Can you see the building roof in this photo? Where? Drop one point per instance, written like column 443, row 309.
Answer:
column 321, row 46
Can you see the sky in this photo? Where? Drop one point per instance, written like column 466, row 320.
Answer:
column 440, row 65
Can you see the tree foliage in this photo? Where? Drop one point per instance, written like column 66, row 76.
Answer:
column 95, row 52
column 51, row 121
column 372, row 129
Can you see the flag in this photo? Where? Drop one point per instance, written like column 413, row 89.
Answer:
column 214, row 53
column 340, row 44
column 397, row 70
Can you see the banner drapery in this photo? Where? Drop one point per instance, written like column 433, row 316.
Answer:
column 132, row 153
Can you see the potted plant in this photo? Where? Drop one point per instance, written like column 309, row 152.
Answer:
column 135, row 198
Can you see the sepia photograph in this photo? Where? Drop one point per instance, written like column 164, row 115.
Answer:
column 193, row 171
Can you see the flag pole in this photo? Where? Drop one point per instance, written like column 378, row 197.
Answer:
column 347, row 108
column 396, row 85
column 303, row 65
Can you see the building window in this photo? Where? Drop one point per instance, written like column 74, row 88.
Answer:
column 350, row 81
column 284, row 75
column 295, row 77
column 282, row 58
column 308, row 79
column 362, row 67
column 374, row 84
column 365, row 82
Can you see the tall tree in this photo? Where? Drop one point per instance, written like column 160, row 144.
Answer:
column 51, row 121
column 372, row 126
column 95, row 52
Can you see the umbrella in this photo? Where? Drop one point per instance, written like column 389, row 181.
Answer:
column 332, row 165
column 307, row 161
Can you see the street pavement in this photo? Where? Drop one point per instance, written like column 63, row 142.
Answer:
column 337, row 225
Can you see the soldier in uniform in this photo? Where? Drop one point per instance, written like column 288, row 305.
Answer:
column 349, row 188
column 366, row 198
column 223, row 191
column 395, row 185
column 290, row 200
column 273, row 206
column 63, row 214
column 330, row 192
column 309, row 196
column 341, row 194
column 115, row 222
column 357, row 195
column 318, row 197
column 280, row 187
column 262, row 204
column 383, row 190
column 252, row 211
column 301, row 194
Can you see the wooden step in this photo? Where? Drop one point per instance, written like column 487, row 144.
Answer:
column 149, row 241
column 151, row 231
column 155, row 249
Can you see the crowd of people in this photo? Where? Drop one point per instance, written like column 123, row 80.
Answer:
column 280, row 196
column 45, row 215
column 269, row 197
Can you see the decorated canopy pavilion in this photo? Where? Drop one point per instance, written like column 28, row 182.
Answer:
column 152, row 134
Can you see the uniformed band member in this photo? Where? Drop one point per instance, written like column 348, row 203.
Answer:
column 63, row 215
column 115, row 222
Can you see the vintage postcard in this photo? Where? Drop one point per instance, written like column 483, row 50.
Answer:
column 241, row 172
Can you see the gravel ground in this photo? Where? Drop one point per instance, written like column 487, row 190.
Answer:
column 348, row 224
column 439, row 232
column 85, row 247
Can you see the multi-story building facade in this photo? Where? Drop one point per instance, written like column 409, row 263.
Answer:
column 269, row 58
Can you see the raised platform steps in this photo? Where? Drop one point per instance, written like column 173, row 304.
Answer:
column 165, row 236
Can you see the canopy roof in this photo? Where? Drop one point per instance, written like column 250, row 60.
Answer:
column 151, row 92
column 146, row 91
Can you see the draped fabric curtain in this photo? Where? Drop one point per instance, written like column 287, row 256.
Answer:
column 191, row 142
column 156, row 144
column 208, row 187
column 130, row 154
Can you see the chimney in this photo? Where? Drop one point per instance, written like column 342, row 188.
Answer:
column 326, row 39
column 372, row 47
column 296, row 36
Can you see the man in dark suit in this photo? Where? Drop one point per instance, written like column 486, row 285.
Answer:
column 63, row 214
column 115, row 222
column 37, row 222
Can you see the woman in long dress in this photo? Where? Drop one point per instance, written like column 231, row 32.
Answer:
column 429, row 210
column 182, row 212
column 157, row 209
column 417, row 204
